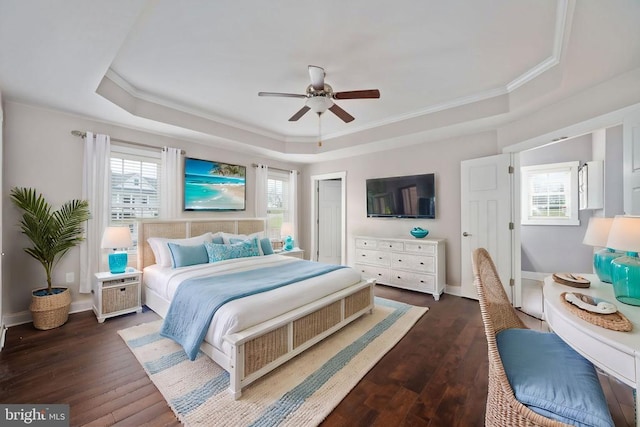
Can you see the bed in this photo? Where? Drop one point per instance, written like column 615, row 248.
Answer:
column 251, row 336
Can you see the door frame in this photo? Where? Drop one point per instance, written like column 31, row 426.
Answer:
column 315, row 179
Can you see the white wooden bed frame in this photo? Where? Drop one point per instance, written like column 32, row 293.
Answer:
column 259, row 349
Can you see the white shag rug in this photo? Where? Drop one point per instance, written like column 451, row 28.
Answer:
column 302, row 392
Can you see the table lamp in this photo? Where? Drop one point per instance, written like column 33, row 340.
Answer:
column 117, row 238
column 625, row 270
column 287, row 230
column 597, row 235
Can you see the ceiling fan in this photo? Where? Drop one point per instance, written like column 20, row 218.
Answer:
column 320, row 96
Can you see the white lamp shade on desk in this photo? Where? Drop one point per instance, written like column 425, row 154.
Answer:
column 117, row 238
column 625, row 270
column 597, row 235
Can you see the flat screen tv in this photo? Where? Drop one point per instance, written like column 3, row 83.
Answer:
column 411, row 196
column 214, row 186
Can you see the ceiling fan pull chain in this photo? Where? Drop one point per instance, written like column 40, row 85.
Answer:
column 319, row 129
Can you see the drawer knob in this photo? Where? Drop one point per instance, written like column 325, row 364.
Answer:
column 399, row 277
column 421, row 263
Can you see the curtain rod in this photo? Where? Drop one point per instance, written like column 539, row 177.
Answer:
column 139, row 144
column 255, row 165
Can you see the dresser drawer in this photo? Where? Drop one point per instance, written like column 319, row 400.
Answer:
column 390, row 245
column 420, row 263
column 373, row 257
column 381, row 274
column 419, row 282
column 366, row 243
column 422, row 248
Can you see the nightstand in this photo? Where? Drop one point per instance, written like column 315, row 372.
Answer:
column 116, row 294
column 295, row 252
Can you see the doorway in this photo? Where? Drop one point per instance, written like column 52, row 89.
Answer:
column 328, row 218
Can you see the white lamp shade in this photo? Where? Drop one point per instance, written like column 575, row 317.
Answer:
column 116, row 238
column 625, row 234
column 286, row 229
column 597, row 231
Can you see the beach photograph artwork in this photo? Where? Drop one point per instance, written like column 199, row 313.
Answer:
column 212, row 185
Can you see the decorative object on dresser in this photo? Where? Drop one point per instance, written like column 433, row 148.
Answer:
column 116, row 294
column 117, row 238
column 419, row 232
column 597, row 235
column 403, row 263
column 52, row 234
column 625, row 270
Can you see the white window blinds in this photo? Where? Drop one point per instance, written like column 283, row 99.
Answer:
column 135, row 177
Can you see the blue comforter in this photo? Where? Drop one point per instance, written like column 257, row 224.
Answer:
column 197, row 300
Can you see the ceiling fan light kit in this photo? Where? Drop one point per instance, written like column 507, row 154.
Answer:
column 319, row 96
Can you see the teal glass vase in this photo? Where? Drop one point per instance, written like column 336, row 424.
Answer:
column 118, row 262
column 602, row 263
column 625, row 272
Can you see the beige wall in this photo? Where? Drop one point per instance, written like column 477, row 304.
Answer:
column 40, row 152
column 440, row 157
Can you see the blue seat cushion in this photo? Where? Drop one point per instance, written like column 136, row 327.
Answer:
column 552, row 379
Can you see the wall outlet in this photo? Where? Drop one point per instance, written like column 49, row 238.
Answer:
column 70, row 277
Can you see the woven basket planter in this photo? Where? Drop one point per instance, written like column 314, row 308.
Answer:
column 50, row 311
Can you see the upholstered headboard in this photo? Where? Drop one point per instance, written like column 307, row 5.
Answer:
column 180, row 229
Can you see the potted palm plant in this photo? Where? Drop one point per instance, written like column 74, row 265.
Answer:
column 52, row 233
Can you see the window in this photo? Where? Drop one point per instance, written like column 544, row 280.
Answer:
column 135, row 194
column 277, row 202
column 550, row 194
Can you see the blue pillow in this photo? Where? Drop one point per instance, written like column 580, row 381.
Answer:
column 265, row 244
column 218, row 252
column 218, row 240
column 552, row 379
column 184, row 255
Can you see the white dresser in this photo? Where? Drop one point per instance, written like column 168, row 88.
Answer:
column 416, row 264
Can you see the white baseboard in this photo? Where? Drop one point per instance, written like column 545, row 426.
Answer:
column 453, row 290
column 534, row 275
column 21, row 317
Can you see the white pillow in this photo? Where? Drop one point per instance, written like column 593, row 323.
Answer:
column 226, row 237
column 161, row 250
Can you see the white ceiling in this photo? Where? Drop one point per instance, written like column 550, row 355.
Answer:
column 192, row 69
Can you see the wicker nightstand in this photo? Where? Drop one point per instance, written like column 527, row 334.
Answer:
column 116, row 294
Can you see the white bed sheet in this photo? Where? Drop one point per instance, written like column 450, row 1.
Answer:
column 243, row 313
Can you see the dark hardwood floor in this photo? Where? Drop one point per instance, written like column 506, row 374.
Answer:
column 435, row 376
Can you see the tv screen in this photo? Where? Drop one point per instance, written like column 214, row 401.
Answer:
column 214, row 186
column 410, row 196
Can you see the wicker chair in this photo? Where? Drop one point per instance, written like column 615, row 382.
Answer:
column 503, row 409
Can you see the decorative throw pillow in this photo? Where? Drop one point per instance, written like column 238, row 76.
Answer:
column 218, row 252
column 264, row 247
column 160, row 248
column 227, row 237
column 184, row 255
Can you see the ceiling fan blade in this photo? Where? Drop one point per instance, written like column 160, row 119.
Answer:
column 346, row 117
column 357, row 94
column 316, row 74
column 287, row 95
column 299, row 114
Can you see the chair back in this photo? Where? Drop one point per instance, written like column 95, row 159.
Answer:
column 503, row 409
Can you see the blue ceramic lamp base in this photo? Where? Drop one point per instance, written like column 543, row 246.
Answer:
column 625, row 271
column 117, row 262
column 602, row 263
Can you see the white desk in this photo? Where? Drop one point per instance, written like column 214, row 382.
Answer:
column 617, row 353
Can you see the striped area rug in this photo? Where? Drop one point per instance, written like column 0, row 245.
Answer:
column 302, row 392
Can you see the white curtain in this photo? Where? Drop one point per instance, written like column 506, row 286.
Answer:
column 96, row 189
column 293, row 203
column 170, row 183
column 262, row 174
